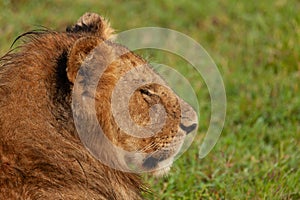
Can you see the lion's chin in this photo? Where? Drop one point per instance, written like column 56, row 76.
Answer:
column 149, row 164
column 161, row 172
column 163, row 168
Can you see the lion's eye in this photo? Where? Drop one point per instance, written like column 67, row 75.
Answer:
column 146, row 92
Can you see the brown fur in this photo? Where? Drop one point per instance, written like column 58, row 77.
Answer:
column 41, row 155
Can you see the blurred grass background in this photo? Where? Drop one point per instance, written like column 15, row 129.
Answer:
column 255, row 44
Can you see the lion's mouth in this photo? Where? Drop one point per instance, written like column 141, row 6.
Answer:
column 159, row 162
column 158, row 167
column 152, row 162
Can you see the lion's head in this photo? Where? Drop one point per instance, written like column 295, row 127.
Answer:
column 140, row 115
column 60, row 87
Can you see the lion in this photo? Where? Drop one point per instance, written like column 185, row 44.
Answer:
column 45, row 90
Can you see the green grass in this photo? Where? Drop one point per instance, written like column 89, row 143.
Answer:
column 256, row 47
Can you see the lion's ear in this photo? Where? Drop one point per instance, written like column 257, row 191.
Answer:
column 79, row 51
column 94, row 25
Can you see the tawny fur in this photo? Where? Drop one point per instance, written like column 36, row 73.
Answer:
column 41, row 155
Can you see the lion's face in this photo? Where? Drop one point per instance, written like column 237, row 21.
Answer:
column 172, row 116
column 136, row 110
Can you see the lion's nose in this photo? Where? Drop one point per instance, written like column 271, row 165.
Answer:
column 188, row 129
